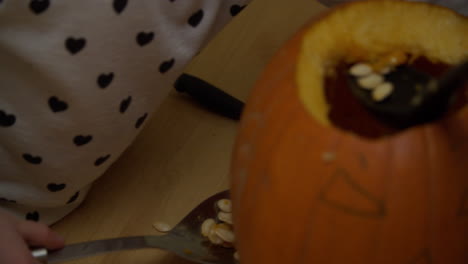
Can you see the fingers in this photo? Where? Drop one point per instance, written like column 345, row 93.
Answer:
column 38, row 234
column 13, row 249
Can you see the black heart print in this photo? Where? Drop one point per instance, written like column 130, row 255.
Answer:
column 6, row 119
column 73, row 198
column 196, row 18
column 32, row 159
column 236, row 9
column 39, row 6
column 141, row 120
column 99, row 161
column 53, row 187
column 75, row 45
column 119, row 5
column 81, row 140
column 124, row 104
column 57, row 105
column 33, row 216
column 105, row 79
column 166, row 66
column 144, row 38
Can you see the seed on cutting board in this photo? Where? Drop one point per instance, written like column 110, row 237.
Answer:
column 162, row 227
column 225, row 205
column 225, row 232
column 360, row 69
column 207, row 226
column 236, row 256
column 225, row 217
column 370, row 81
column 382, row 91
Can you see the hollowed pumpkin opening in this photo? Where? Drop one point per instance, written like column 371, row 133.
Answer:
column 433, row 38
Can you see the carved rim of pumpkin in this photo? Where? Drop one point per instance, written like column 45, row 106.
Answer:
column 348, row 37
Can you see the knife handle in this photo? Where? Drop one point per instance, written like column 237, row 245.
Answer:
column 210, row 96
column 40, row 254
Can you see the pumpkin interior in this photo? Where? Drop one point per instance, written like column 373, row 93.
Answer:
column 433, row 37
column 347, row 113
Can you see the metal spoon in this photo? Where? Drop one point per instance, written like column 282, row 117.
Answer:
column 417, row 97
column 184, row 239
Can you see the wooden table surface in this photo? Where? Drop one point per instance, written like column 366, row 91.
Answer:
column 183, row 154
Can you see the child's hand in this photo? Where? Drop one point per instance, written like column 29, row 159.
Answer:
column 16, row 236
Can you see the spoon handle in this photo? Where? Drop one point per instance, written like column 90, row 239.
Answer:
column 97, row 247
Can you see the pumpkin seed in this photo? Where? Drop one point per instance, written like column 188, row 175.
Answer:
column 382, row 91
column 162, row 227
column 225, row 205
column 224, row 231
column 207, row 226
column 225, row 217
column 360, row 69
column 214, row 238
column 236, row 256
column 371, row 81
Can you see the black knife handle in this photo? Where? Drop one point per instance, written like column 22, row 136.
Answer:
column 210, row 96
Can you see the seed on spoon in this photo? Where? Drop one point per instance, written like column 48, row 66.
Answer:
column 360, row 69
column 382, row 91
column 225, row 217
column 162, row 227
column 225, row 205
column 224, row 231
column 207, row 226
column 371, row 81
column 214, row 238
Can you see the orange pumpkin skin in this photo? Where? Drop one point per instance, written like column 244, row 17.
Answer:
column 304, row 192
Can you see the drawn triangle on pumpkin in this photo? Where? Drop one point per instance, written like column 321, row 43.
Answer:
column 343, row 193
column 423, row 258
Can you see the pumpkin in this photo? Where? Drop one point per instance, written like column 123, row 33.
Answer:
column 308, row 189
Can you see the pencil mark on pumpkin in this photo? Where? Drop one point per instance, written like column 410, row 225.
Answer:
column 342, row 192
